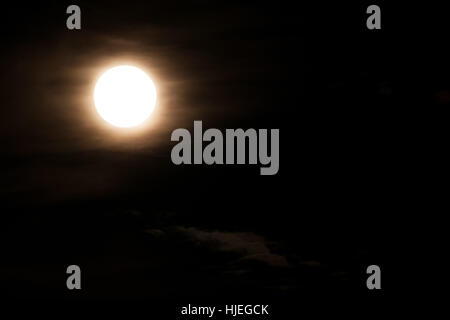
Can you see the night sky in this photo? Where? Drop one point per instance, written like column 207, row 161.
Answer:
column 77, row 191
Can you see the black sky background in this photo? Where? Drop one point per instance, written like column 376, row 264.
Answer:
column 76, row 192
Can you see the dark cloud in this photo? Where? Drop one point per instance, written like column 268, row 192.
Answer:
column 248, row 245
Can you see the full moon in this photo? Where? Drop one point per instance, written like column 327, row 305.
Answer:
column 125, row 96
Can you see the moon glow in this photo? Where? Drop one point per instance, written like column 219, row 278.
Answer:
column 125, row 96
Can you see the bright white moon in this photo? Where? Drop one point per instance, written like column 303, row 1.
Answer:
column 125, row 96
